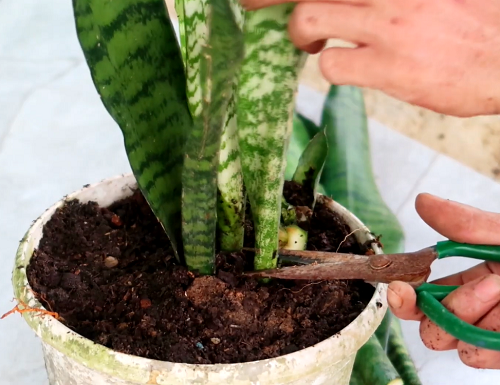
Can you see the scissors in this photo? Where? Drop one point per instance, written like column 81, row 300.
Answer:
column 413, row 268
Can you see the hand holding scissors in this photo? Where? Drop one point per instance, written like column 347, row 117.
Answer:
column 458, row 312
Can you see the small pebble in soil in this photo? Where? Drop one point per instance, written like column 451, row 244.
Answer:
column 110, row 262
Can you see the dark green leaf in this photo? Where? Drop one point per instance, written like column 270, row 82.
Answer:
column 372, row 366
column 135, row 63
column 399, row 356
column 348, row 178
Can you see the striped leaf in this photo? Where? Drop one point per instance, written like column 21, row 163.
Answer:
column 135, row 63
column 347, row 176
column 219, row 62
column 265, row 99
column 231, row 201
column 179, row 9
column 193, row 27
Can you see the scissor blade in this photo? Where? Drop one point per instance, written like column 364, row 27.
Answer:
column 413, row 268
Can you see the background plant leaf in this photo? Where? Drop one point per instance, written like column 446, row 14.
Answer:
column 348, row 176
column 309, row 125
column 134, row 59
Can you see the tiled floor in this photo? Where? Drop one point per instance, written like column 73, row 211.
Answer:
column 56, row 136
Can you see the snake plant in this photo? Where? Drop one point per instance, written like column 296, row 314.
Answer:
column 206, row 122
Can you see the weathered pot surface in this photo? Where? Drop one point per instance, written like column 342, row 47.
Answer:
column 74, row 360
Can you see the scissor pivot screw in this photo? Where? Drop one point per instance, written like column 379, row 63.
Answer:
column 378, row 262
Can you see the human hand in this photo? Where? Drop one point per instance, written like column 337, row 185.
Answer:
column 477, row 300
column 442, row 55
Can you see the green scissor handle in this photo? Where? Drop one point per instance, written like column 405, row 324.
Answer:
column 446, row 249
column 430, row 295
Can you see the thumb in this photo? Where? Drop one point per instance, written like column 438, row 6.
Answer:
column 402, row 300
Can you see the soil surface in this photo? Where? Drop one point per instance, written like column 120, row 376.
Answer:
column 111, row 275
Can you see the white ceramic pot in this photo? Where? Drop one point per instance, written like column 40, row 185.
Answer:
column 74, row 360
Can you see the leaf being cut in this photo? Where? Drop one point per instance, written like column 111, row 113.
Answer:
column 265, row 100
column 135, row 63
column 219, row 62
column 348, row 176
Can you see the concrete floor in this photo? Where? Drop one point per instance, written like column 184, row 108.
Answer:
column 55, row 136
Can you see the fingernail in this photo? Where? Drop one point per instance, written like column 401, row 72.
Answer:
column 395, row 301
column 488, row 289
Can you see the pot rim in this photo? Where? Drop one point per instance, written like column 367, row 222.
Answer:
column 50, row 330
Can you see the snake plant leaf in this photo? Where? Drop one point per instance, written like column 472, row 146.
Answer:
column 219, row 63
column 232, row 198
column 265, row 99
column 299, row 140
column 141, row 83
column 348, row 176
column 193, row 31
column 179, row 9
column 312, row 161
column 311, row 127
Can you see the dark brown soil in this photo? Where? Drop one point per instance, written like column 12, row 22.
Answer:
column 111, row 275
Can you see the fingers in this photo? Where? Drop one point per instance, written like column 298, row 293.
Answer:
column 402, row 300
column 470, row 303
column 312, row 22
column 459, row 222
column 258, row 4
column 478, row 357
column 471, row 274
column 352, row 66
